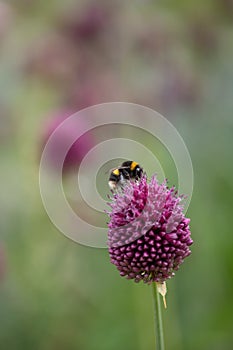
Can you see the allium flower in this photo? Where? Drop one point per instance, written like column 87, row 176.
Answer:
column 79, row 148
column 89, row 25
column 148, row 235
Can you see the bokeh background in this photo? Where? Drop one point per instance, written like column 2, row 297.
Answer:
column 58, row 57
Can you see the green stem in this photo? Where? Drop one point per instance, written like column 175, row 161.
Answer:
column 158, row 319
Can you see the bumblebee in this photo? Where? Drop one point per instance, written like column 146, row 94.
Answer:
column 127, row 171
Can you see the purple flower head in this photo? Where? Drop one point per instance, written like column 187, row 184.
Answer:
column 148, row 235
column 89, row 25
column 77, row 150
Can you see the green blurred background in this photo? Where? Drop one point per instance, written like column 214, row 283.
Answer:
column 175, row 57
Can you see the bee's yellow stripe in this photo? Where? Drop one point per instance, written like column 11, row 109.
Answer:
column 133, row 165
column 116, row 172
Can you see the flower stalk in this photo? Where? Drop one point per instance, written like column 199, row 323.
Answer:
column 159, row 338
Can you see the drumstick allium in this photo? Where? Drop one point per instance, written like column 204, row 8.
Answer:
column 149, row 235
